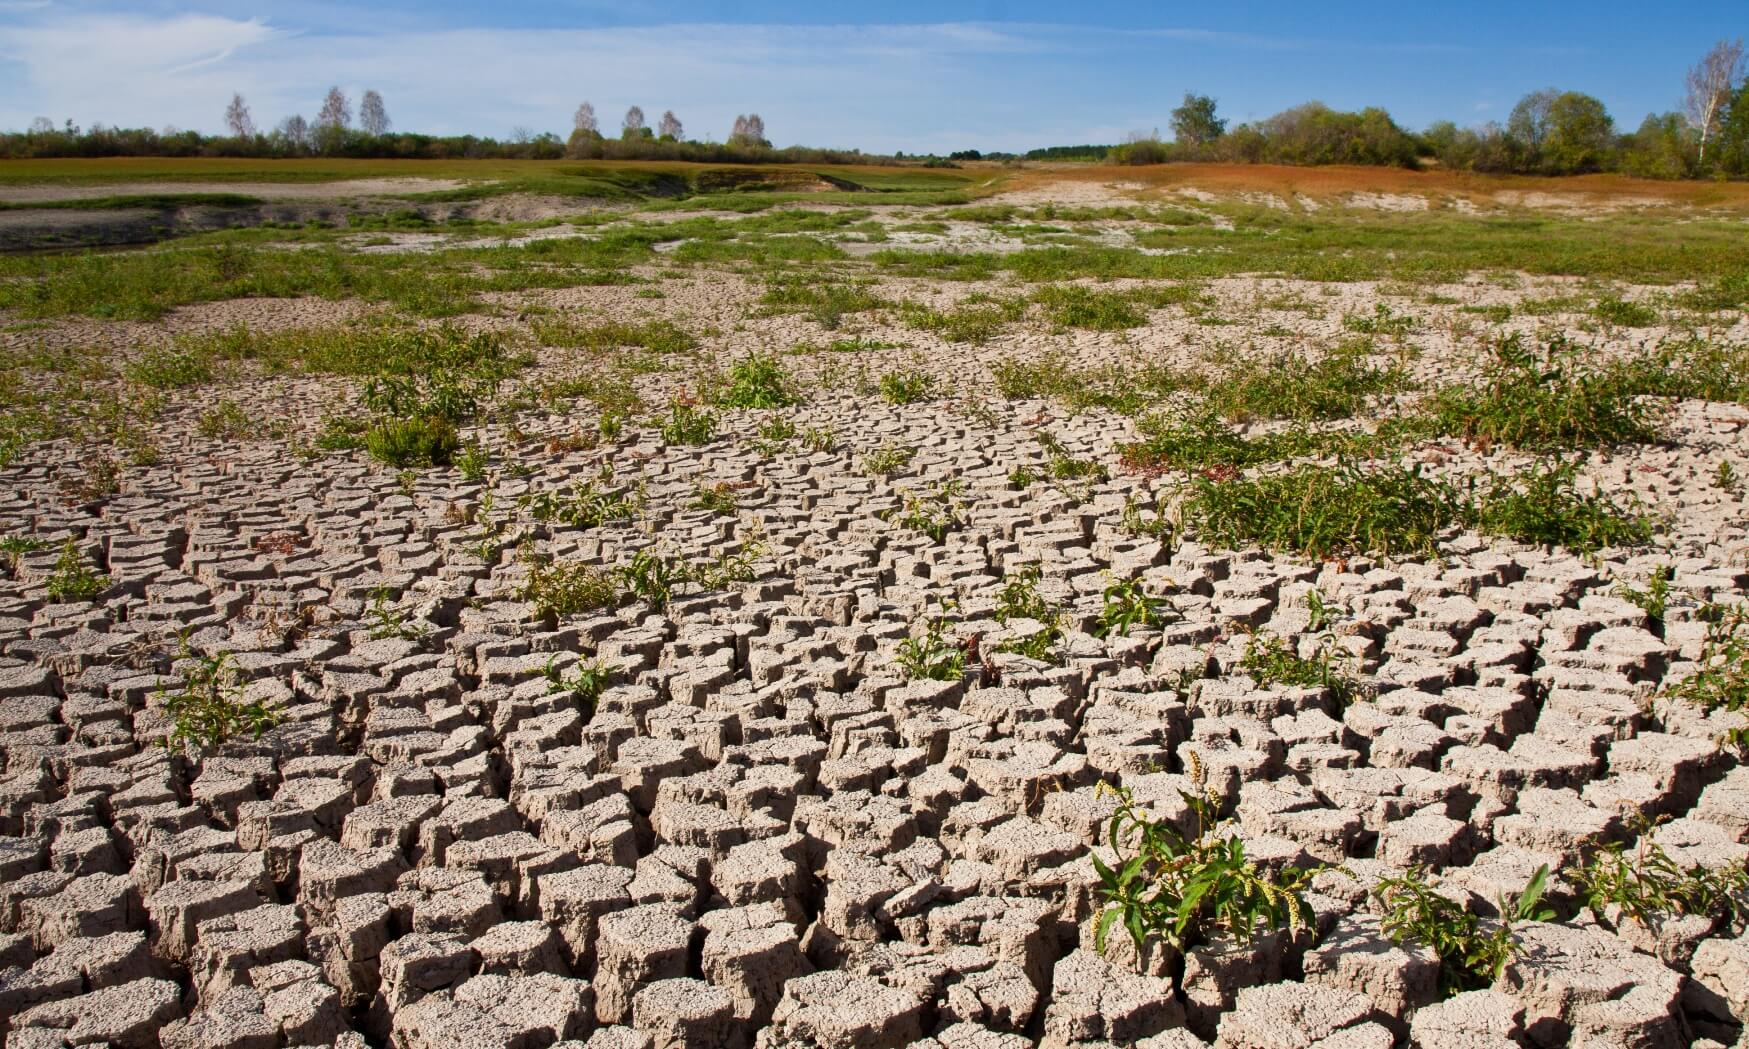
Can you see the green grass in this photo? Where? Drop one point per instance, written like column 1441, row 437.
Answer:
column 1431, row 248
column 154, row 201
column 977, row 319
column 658, row 335
column 1324, row 512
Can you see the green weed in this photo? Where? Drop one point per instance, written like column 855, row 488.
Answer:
column 1471, row 954
column 1188, row 887
column 209, row 709
column 73, row 579
column 931, row 655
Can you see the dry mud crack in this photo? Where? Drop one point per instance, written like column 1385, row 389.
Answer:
column 758, row 831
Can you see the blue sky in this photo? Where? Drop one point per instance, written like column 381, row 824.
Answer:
column 993, row 74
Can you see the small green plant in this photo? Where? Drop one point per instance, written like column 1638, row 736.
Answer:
column 1270, row 660
column 1023, row 477
column 1543, row 402
column 170, row 369
column 907, row 387
column 1471, row 953
column 585, row 505
column 931, row 655
column 1725, row 476
column 936, row 512
column 429, row 441
column 1150, row 521
column 1382, row 321
column 758, row 381
column 819, row 439
column 887, row 460
column 210, row 709
column 1019, row 599
column 226, row 421
column 13, row 548
column 1624, row 312
column 562, row 588
column 1127, row 604
column 610, row 425
column 386, row 622
column 73, row 578
column 718, row 498
column 654, row 578
column 1545, row 505
column 473, row 461
column 585, row 683
column 1188, row 886
column 1323, row 512
column 1721, row 679
column 688, row 424
column 1655, row 599
column 1647, row 885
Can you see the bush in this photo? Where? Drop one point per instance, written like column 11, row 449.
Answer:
column 907, row 387
column 209, row 709
column 1547, row 507
column 1323, row 512
column 757, row 381
column 73, row 579
column 429, row 441
column 688, row 424
column 1544, row 403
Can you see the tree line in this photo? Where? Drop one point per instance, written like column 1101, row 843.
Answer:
column 1549, row 132
column 335, row 133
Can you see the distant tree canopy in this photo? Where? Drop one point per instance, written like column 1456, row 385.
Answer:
column 1548, row 132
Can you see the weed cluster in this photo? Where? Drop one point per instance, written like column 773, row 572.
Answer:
column 1324, row 512
column 1471, row 953
column 1721, row 678
column 1270, row 660
column 1127, row 605
column 585, row 684
column 585, row 505
column 1545, row 401
column 209, row 709
column 757, row 381
column 908, row 386
column 1187, row 887
column 1647, row 885
column 932, row 655
column 887, row 460
column 73, row 578
column 937, row 511
column 688, row 424
column 1019, row 599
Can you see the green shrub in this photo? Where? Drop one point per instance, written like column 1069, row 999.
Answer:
column 1287, row 386
column 1471, row 954
column 688, row 424
column 1648, row 885
column 429, row 441
column 1545, row 403
column 907, row 387
column 170, row 369
column 932, row 655
column 1270, row 660
column 1323, row 512
column 1127, row 604
column 563, row 588
column 1624, row 312
column 225, row 421
column 1187, row 887
column 1078, row 306
column 73, row 578
column 757, row 381
column 1546, row 506
column 209, row 709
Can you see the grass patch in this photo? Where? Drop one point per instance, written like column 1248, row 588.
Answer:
column 1543, row 401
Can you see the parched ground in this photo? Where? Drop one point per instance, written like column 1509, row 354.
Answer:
column 806, row 728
